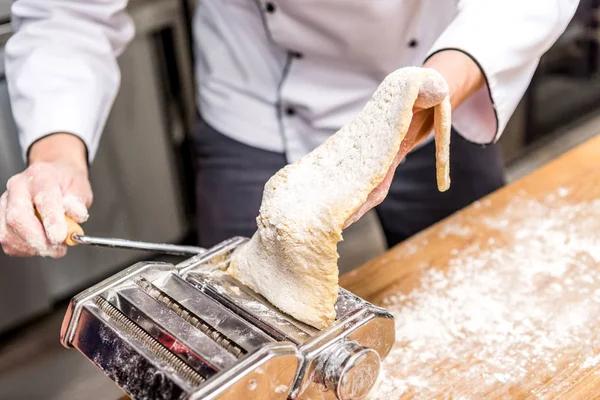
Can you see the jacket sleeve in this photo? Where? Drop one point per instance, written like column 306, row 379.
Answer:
column 61, row 66
column 506, row 38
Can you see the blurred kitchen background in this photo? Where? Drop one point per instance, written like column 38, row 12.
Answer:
column 152, row 118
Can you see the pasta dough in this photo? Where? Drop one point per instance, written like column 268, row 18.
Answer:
column 291, row 260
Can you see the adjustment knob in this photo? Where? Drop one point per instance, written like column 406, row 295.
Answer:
column 351, row 371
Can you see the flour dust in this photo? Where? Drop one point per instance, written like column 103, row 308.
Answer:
column 502, row 317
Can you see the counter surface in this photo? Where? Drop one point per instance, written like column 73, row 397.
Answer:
column 501, row 299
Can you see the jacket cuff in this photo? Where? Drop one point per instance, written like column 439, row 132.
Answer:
column 476, row 119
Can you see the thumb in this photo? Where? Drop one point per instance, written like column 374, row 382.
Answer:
column 77, row 199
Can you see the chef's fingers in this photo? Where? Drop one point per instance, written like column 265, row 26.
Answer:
column 47, row 197
column 16, row 247
column 57, row 251
column 13, row 245
column 75, row 208
column 20, row 216
column 432, row 91
column 55, row 190
column 3, row 227
column 377, row 195
column 77, row 198
column 421, row 127
column 13, row 251
column 7, row 238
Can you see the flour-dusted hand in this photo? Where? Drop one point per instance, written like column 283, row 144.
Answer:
column 430, row 113
column 55, row 189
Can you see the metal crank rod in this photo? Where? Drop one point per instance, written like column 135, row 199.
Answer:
column 76, row 236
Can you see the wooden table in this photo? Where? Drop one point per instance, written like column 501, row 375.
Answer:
column 502, row 299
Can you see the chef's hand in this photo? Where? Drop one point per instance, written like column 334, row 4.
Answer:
column 463, row 78
column 420, row 127
column 56, row 183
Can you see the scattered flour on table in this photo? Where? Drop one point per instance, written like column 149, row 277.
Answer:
column 497, row 315
column 454, row 229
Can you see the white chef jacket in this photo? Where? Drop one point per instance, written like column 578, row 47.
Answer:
column 281, row 75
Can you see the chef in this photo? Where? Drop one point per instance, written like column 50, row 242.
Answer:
column 275, row 78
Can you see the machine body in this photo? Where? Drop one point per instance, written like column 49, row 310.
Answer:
column 190, row 331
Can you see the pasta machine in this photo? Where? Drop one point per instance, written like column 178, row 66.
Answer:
column 189, row 331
